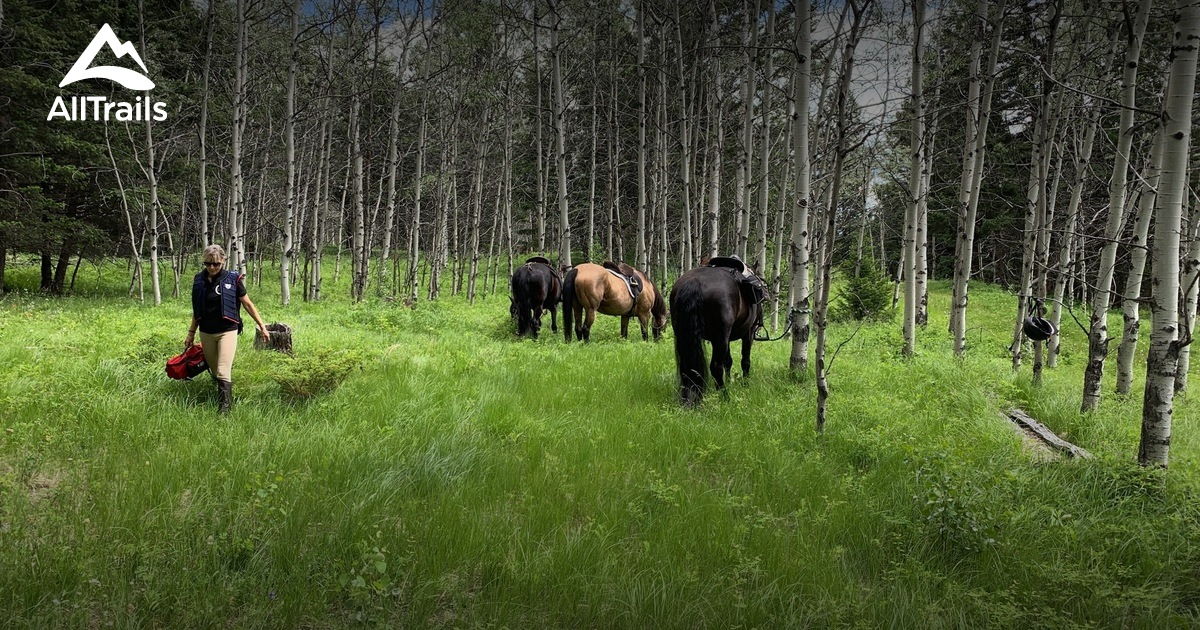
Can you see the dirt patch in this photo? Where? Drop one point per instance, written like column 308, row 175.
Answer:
column 42, row 486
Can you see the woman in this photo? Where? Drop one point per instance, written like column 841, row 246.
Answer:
column 216, row 296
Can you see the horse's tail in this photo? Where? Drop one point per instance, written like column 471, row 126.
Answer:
column 568, row 302
column 688, row 324
column 522, row 299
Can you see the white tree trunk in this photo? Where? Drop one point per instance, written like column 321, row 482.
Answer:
column 715, row 147
column 1098, row 329
column 1190, row 284
column 541, row 173
column 764, row 162
column 1083, row 159
column 746, row 151
column 820, row 316
column 687, row 255
column 1035, row 204
column 477, row 209
column 974, row 151
column 1138, row 252
column 413, row 280
column 389, row 218
column 358, row 244
column 202, row 132
column 799, row 242
column 643, row 117
column 560, row 133
column 1162, row 360
column 289, row 228
column 915, row 179
column 237, row 206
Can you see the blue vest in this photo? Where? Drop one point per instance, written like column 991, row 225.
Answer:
column 229, row 298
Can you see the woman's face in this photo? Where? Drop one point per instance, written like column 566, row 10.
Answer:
column 212, row 265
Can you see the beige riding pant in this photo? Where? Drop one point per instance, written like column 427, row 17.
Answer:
column 218, row 352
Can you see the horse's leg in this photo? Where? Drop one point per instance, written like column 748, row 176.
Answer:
column 589, row 319
column 536, row 324
column 624, row 326
column 719, row 366
column 747, row 341
column 553, row 318
column 577, row 310
column 644, row 320
column 728, row 361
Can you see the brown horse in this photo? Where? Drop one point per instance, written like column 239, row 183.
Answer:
column 590, row 287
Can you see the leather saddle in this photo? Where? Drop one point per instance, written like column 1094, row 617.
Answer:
column 545, row 261
column 628, row 275
column 753, row 287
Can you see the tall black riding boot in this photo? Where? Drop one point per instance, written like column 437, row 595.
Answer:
column 224, row 396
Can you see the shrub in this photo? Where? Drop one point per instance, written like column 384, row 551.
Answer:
column 867, row 297
column 308, row 375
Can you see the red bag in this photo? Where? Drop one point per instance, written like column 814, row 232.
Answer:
column 189, row 364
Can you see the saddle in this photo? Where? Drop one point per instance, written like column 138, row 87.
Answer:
column 628, row 275
column 754, row 288
column 544, row 261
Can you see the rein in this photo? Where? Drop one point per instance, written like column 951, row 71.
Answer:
column 787, row 329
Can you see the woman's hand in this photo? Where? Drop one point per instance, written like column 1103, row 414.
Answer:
column 264, row 333
column 191, row 339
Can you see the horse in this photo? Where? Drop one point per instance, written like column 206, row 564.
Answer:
column 536, row 288
column 716, row 304
column 588, row 288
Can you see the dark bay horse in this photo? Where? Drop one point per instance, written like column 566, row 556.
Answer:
column 589, row 288
column 536, row 288
column 717, row 305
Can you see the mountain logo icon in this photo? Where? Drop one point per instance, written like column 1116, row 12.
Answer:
column 126, row 77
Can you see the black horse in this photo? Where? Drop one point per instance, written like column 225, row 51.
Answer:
column 720, row 305
column 536, row 288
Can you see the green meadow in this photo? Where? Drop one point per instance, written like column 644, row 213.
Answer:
column 422, row 467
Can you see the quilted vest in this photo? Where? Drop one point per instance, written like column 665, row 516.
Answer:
column 229, row 298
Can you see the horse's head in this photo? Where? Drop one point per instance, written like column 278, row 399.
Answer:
column 658, row 312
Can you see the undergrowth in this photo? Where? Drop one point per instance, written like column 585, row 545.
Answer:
column 422, row 466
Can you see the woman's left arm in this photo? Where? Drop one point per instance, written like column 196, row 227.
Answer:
column 262, row 328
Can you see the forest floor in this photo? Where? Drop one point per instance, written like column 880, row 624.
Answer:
column 423, row 467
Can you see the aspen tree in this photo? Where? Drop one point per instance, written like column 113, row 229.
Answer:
column 820, row 314
column 1162, row 361
column 915, row 179
column 974, row 152
column 1138, row 252
column 1101, row 300
column 799, row 242
column 560, row 134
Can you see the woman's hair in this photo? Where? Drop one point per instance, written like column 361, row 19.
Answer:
column 214, row 253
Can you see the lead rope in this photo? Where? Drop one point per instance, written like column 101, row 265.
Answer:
column 787, row 328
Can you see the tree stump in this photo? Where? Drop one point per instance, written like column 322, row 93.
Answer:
column 281, row 339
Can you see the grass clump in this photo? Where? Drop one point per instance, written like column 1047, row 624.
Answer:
column 305, row 375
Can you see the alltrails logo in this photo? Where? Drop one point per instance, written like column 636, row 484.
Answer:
column 99, row 107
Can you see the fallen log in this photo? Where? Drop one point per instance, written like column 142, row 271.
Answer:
column 1044, row 435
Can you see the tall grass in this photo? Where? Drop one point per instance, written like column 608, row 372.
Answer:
column 458, row 476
